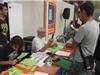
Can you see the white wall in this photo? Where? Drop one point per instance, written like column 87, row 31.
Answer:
column 32, row 17
column 1, row 1
column 26, row 17
column 59, row 19
column 15, row 19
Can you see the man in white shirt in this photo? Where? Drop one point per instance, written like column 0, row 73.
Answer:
column 39, row 43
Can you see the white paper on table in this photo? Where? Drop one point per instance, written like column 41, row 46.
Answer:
column 41, row 62
column 63, row 53
column 38, row 56
column 40, row 73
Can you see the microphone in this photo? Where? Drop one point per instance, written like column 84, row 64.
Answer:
column 52, row 36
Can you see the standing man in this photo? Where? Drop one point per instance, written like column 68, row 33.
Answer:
column 3, row 25
column 9, row 54
column 87, row 36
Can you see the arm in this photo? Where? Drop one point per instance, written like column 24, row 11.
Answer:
column 47, row 45
column 79, row 36
column 9, row 62
column 73, row 45
column 4, row 62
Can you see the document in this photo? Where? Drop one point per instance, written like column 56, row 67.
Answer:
column 40, row 73
column 41, row 62
column 63, row 53
column 38, row 56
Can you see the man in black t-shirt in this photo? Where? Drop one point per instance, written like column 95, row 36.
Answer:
column 9, row 54
column 3, row 25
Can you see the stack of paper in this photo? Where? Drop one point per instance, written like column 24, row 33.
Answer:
column 40, row 73
column 41, row 62
column 38, row 56
column 63, row 53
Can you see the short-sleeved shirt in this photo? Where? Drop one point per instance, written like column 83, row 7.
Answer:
column 87, row 36
column 3, row 32
column 38, row 43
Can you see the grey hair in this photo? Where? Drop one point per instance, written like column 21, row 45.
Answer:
column 40, row 29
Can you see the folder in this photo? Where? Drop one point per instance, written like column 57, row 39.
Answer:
column 15, row 71
column 54, row 49
column 66, row 64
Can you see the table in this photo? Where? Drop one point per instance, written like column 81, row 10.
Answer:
column 51, row 70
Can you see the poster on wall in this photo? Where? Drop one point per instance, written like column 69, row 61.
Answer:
column 51, row 17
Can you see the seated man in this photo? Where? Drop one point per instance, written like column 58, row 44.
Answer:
column 9, row 54
column 39, row 43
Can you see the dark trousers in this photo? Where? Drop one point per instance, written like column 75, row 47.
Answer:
column 78, row 69
column 61, row 71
